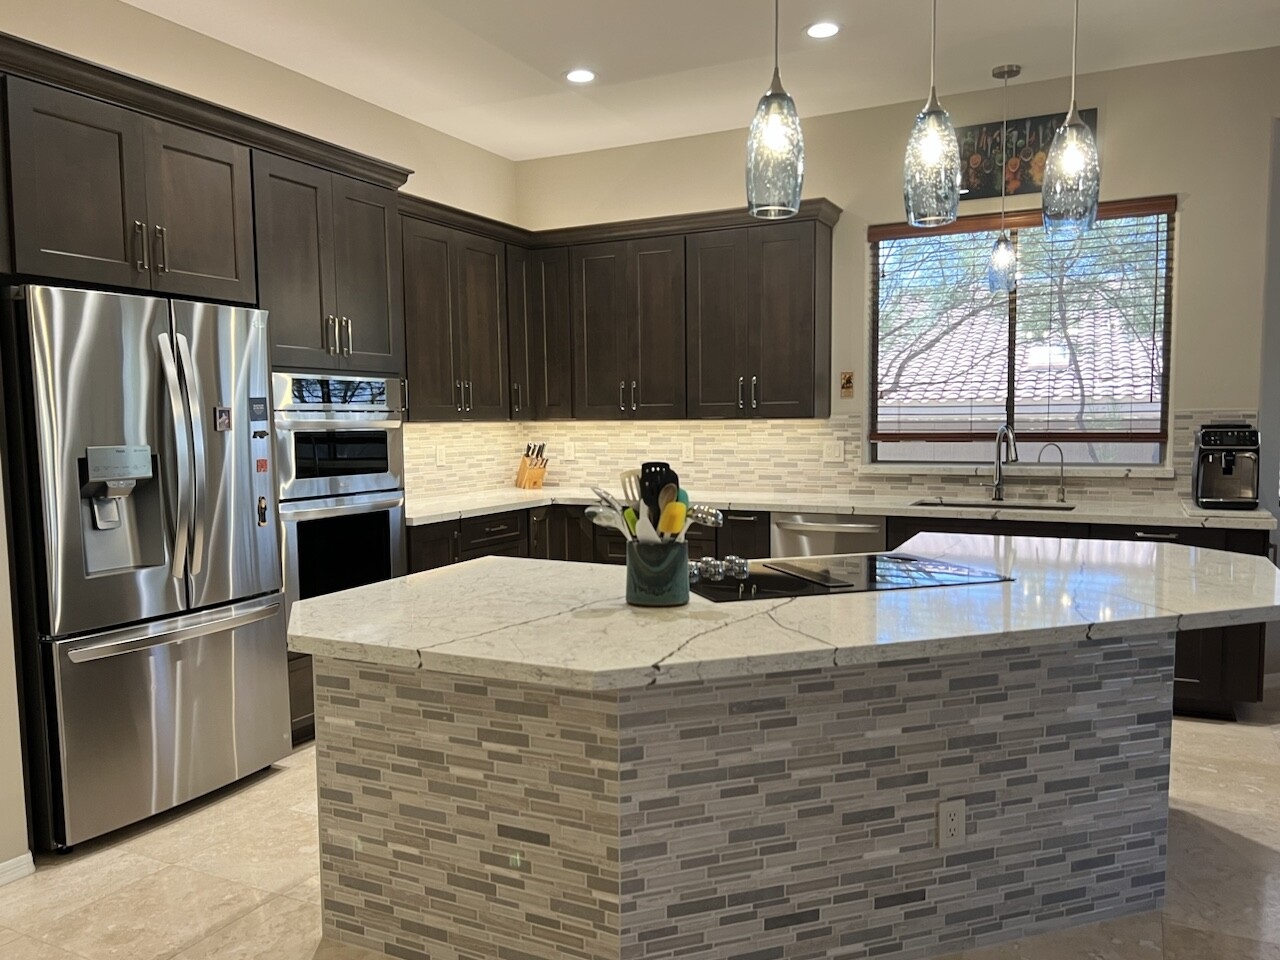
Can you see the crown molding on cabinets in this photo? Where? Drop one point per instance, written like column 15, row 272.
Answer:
column 25, row 59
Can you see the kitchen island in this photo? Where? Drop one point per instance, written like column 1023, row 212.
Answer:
column 514, row 764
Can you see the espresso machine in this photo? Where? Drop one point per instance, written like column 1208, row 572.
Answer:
column 1226, row 467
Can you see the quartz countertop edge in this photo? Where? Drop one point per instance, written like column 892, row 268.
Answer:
column 1172, row 512
column 567, row 625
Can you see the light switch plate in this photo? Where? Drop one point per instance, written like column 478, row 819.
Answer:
column 441, row 460
column 569, row 453
column 833, row 451
column 686, row 452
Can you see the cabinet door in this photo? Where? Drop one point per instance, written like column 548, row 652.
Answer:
column 601, row 341
column 571, row 535
column 79, row 188
column 519, row 360
column 481, row 319
column 433, row 352
column 293, row 218
column 434, row 545
column 716, row 323
column 656, row 285
column 744, row 535
column 368, row 276
column 201, row 206
column 540, row 333
column 780, row 321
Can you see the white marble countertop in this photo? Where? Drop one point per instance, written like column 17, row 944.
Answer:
column 1172, row 512
column 567, row 624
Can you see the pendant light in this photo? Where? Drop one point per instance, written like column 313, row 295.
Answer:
column 931, row 170
column 1072, row 173
column 1002, row 271
column 775, row 150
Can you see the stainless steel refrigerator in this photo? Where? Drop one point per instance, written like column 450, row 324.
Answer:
column 151, row 631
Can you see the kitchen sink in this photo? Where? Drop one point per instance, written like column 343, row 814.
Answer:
column 993, row 504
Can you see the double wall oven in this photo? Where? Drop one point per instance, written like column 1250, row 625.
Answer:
column 340, row 457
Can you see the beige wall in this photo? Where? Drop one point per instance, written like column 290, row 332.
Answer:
column 124, row 38
column 13, row 808
column 1197, row 128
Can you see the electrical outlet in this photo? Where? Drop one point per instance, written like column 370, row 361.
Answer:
column 441, row 459
column 833, row 451
column 950, row 824
column 686, row 452
column 569, row 453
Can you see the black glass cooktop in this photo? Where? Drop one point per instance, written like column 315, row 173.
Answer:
column 850, row 573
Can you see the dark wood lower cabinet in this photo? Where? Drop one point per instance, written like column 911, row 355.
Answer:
column 302, row 711
column 1214, row 668
column 433, row 545
column 744, row 534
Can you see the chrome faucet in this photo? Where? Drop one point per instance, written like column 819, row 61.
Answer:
column 1062, row 468
column 1003, row 435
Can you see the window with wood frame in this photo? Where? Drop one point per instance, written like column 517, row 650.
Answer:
column 1078, row 355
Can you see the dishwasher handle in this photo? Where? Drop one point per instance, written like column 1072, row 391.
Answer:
column 800, row 526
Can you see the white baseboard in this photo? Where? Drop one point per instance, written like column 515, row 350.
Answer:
column 16, row 868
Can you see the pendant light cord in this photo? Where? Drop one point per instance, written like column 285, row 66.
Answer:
column 1004, row 149
column 775, row 33
column 1075, row 40
column 933, row 43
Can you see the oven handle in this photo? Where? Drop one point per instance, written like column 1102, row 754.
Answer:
column 294, row 425
column 295, row 512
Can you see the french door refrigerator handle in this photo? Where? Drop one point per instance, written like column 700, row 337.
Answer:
column 182, row 440
column 200, row 498
column 132, row 639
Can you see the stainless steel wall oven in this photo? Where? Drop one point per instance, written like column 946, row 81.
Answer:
column 341, row 460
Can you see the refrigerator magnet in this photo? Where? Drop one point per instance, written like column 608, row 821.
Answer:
column 222, row 419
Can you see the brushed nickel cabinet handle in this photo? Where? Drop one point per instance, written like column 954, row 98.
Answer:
column 457, row 387
column 741, row 405
column 346, row 326
column 162, row 264
column 1144, row 535
column 515, row 392
column 755, row 403
column 622, row 404
column 331, row 335
column 140, row 239
column 633, row 396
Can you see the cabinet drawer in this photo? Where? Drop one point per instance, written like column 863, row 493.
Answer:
column 509, row 548
column 478, row 532
column 1188, row 536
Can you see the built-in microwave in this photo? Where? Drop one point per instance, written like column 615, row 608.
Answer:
column 337, row 435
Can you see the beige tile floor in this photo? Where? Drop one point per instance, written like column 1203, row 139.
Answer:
column 234, row 876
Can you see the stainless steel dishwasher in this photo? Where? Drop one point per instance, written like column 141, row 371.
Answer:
column 823, row 534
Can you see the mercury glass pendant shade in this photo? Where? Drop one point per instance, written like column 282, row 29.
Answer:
column 1072, row 177
column 931, row 170
column 775, row 156
column 1003, row 268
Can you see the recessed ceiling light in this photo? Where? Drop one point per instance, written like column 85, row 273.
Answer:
column 820, row 31
column 580, row 75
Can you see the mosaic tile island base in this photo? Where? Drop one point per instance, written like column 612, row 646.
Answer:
column 513, row 764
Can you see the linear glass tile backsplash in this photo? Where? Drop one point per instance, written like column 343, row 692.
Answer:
column 753, row 455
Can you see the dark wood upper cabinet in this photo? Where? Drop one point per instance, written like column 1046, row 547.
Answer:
column 540, row 333
column 78, row 186
column 601, row 340
column 294, row 221
column 433, row 349
column 759, row 329
column 656, row 278
column 628, row 329
column 200, row 202
column 328, row 268
column 787, row 377
column 367, row 261
column 716, row 311
column 455, row 291
column 103, row 195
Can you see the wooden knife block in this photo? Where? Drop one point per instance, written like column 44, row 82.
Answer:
column 528, row 476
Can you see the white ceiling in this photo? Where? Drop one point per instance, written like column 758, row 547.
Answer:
column 491, row 71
